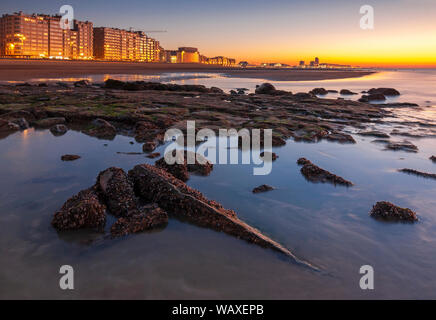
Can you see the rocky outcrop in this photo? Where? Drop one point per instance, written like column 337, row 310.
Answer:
column 433, row 158
column 83, row 210
column 262, row 188
column 314, row 173
column 59, row 129
column 143, row 85
column 181, row 170
column 117, row 192
column 8, row 126
column 70, row 157
column 265, row 88
column 82, row 84
column 22, row 123
column 373, row 133
column 419, row 173
column 384, row 91
column 156, row 185
column 150, row 217
column 101, row 129
column 390, row 212
column 319, row 91
column 372, row 97
column 406, row 146
column 347, row 92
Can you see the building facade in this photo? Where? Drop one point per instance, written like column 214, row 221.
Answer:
column 123, row 45
column 40, row 36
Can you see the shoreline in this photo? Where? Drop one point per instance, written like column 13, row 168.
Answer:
column 26, row 70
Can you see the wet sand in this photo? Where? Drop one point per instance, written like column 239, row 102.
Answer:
column 25, row 70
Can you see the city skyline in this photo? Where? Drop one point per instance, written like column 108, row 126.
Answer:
column 282, row 31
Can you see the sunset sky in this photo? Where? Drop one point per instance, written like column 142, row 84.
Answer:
column 272, row 31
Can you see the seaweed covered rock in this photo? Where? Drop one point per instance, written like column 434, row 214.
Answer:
column 117, row 192
column 81, row 211
column 387, row 211
column 149, row 218
column 406, row 146
column 319, row 91
column 101, row 129
column 59, row 129
column 181, row 170
column 8, row 126
column 314, row 173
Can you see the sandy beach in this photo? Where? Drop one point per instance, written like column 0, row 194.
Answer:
column 25, row 70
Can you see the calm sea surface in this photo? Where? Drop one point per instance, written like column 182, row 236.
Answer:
column 326, row 225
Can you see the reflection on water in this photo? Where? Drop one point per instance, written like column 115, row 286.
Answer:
column 326, row 225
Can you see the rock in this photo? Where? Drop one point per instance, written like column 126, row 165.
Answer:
column 181, row 171
column 153, row 217
column 216, row 90
column 102, row 129
column 402, row 146
column 8, row 126
column 390, row 212
column 384, row 91
column 314, row 173
column 419, row 173
column 58, row 129
column 22, row 123
column 117, row 192
column 347, row 92
column 82, row 84
column 49, row 122
column 153, row 155
column 174, row 196
column 332, row 91
column 339, row 137
column 272, row 155
column 265, row 88
column 149, row 146
column 374, row 133
column 83, row 210
column 319, row 91
column 233, row 92
column 376, row 97
column 114, row 84
column 262, row 188
column 70, row 157
column 433, row 158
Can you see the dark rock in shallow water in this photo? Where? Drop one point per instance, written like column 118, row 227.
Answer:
column 340, row 138
column 319, row 91
column 101, row 129
column 22, row 123
column 372, row 97
column 58, row 129
column 433, row 158
column 262, row 188
column 117, row 191
column 419, row 173
column 402, row 146
column 70, row 157
column 156, row 185
column 374, row 133
column 347, row 92
column 314, row 173
column 83, row 210
column 270, row 155
column 149, row 218
column 149, row 146
column 390, row 212
column 181, row 170
column 265, row 88
column 384, row 91
column 8, row 126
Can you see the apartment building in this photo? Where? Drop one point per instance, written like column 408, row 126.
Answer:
column 40, row 36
